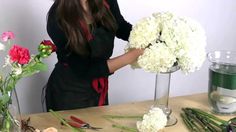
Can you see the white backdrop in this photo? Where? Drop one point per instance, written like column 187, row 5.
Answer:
column 27, row 18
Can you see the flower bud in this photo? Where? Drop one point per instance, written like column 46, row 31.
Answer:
column 44, row 50
column 44, row 55
column 49, row 51
column 41, row 46
column 49, row 45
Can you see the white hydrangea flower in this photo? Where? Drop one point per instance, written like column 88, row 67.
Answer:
column 168, row 39
column 143, row 33
column 157, row 58
column 50, row 129
column 153, row 121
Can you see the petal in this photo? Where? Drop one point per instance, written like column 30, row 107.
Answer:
column 2, row 46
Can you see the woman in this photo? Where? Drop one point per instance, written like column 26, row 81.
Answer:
column 84, row 31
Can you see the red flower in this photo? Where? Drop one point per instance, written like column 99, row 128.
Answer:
column 49, row 43
column 19, row 54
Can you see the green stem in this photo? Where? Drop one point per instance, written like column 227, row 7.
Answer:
column 211, row 121
column 188, row 123
column 9, row 84
column 207, row 124
column 8, row 45
column 6, row 121
column 207, row 121
column 5, row 84
column 37, row 58
column 194, row 118
column 122, row 117
column 125, row 128
column 58, row 116
column 208, row 115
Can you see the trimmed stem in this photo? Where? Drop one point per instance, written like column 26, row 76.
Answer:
column 122, row 117
column 208, row 115
column 207, row 121
column 188, row 123
column 194, row 120
column 125, row 128
column 18, row 104
column 58, row 116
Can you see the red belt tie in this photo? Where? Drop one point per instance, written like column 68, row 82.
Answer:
column 101, row 86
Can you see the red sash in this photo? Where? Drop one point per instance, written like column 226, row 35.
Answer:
column 101, row 86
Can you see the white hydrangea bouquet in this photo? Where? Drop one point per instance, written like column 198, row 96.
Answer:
column 168, row 40
column 153, row 121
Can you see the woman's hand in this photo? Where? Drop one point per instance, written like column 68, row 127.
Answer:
column 123, row 60
column 135, row 53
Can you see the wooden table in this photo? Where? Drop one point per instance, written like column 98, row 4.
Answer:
column 94, row 115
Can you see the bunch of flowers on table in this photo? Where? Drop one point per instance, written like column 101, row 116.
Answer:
column 168, row 40
column 153, row 121
column 19, row 63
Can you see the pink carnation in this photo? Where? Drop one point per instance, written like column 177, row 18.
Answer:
column 7, row 35
column 19, row 54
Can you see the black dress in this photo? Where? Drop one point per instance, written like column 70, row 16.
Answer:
column 72, row 83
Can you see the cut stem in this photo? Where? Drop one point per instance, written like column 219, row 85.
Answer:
column 122, row 117
column 58, row 116
column 125, row 128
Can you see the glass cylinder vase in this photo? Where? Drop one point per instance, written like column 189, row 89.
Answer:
column 161, row 97
column 222, row 82
column 10, row 118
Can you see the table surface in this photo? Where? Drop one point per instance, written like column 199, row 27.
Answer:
column 94, row 115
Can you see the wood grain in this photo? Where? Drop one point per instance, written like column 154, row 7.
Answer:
column 94, row 115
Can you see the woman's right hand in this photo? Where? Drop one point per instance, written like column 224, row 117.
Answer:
column 123, row 60
column 135, row 53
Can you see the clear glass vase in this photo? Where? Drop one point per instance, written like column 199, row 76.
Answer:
column 10, row 118
column 222, row 82
column 161, row 97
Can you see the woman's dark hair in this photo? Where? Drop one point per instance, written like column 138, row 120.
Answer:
column 69, row 14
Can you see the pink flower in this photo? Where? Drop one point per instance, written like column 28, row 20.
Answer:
column 7, row 35
column 19, row 54
column 49, row 43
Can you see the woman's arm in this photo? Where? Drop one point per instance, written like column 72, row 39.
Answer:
column 124, row 27
column 123, row 32
column 123, row 60
column 102, row 68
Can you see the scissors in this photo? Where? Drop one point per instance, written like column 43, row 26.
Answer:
column 78, row 123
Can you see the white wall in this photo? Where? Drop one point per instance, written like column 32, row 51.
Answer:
column 218, row 19
column 27, row 18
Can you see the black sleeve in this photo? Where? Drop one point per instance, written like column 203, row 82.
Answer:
column 124, row 27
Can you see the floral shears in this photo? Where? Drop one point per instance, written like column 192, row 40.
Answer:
column 78, row 123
